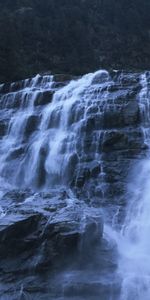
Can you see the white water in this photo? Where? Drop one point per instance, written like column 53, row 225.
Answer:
column 52, row 145
column 133, row 241
column 57, row 135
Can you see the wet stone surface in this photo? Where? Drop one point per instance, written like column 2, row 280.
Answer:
column 45, row 234
column 67, row 146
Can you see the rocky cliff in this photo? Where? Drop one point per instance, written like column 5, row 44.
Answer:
column 67, row 148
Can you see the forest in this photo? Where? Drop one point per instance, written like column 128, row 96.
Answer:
column 72, row 36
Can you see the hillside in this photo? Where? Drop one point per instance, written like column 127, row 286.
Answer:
column 72, row 36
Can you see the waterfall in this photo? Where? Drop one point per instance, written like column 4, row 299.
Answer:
column 133, row 240
column 42, row 145
column 86, row 135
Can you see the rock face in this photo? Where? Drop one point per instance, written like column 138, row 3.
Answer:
column 67, row 148
column 43, row 233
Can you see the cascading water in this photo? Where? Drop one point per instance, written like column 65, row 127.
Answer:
column 133, row 240
column 49, row 145
column 83, row 134
column 46, row 150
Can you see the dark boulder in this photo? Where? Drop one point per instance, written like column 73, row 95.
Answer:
column 14, row 229
column 33, row 227
column 31, row 124
column 43, row 98
column 3, row 127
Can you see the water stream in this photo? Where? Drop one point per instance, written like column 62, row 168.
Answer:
column 133, row 240
column 61, row 143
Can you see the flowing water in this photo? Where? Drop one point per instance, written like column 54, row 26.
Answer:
column 133, row 240
column 42, row 144
column 134, row 262
column 46, row 145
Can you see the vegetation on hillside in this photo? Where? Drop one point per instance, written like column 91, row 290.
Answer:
column 72, row 36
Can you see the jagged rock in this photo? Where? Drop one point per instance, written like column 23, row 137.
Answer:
column 32, row 227
column 38, row 240
column 14, row 230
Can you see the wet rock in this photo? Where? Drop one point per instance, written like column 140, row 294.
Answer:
column 90, row 124
column 31, row 124
column 41, row 172
column 50, row 237
column 129, row 79
column 114, row 140
column 3, row 127
column 91, row 237
column 95, row 168
column 13, row 231
column 44, row 232
column 11, row 101
column 84, row 172
column 131, row 113
column 16, row 86
column 14, row 154
column 113, row 119
column 72, row 163
column 44, row 98
column 17, row 196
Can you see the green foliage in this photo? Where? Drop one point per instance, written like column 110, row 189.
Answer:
column 72, row 36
